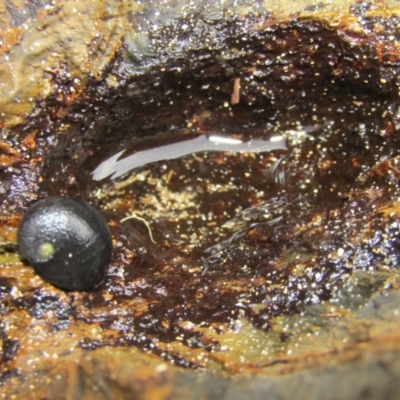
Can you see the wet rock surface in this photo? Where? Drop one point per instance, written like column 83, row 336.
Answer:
column 280, row 265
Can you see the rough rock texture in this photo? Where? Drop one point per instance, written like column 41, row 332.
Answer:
column 286, row 280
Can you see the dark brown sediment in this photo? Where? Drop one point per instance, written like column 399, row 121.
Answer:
column 288, row 254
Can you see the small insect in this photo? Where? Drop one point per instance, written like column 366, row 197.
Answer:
column 67, row 242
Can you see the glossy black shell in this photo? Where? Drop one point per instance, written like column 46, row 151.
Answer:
column 67, row 242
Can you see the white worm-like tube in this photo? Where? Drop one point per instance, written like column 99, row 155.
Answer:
column 115, row 167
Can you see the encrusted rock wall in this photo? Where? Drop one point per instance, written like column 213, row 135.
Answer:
column 75, row 40
column 72, row 74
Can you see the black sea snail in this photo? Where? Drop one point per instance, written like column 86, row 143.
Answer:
column 66, row 241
